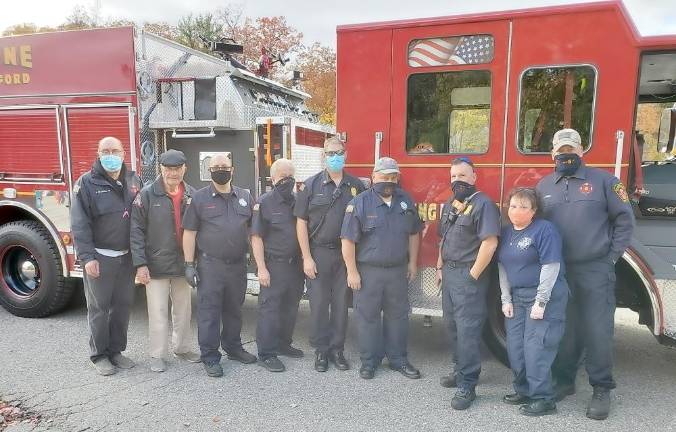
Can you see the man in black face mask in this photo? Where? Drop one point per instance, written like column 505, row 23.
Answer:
column 217, row 221
column 591, row 209
column 280, row 269
column 469, row 230
column 380, row 242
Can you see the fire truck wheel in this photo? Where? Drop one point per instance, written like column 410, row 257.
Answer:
column 32, row 283
column 494, row 330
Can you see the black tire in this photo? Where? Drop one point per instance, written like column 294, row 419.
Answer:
column 32, row 284
column 494, row 330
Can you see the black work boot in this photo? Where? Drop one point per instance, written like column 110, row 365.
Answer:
column 272, row 363
column 516, row 399
column 338, row 359
column 321, row 362
column 599, row 406
column 463, row 399
column 538, row 408
column 448, row 381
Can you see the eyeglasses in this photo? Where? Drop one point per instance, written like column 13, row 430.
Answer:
column 220, row 168
column 334, row 153
column 114, row 152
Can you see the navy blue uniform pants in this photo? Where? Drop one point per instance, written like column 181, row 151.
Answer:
column 220, row 295
column 532, row 344
column 468, row 300
column 278, row 306
column 109, row 300
column 328, row 295
column 381, row 308
column 590, row 324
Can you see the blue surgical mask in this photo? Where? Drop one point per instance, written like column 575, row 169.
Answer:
column 111, row 163
column 335, row 163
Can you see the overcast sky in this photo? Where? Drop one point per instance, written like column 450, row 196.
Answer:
column 317, row 20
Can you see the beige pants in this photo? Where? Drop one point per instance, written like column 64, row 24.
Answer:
column 158, row 293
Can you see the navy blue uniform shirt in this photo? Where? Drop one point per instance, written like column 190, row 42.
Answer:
column 274, row 222
column 380, row 231
column 460, row 240
column 523, row 253
column 222, row 221
column 313, row 199
column 591, row 211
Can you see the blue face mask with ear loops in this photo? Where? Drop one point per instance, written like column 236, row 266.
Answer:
column 111, row 163
column 335, row 163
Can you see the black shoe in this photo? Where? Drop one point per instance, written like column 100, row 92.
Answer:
column 563, row 390
column 448, row 381
column 289, row 351
column 407, row 370
column 321, row 362
column 213, row 369
column 538, row 408
column 242, row 356
column 516, row 399
column 273, row 364
column 366, row 372
column 339, row 361
column 599, row 406
column 463, row 399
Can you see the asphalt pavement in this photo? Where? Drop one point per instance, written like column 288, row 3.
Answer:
column 44, row 366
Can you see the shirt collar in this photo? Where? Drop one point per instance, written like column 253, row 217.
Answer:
column 326, row 179
column 581, row 173
column 214, row 192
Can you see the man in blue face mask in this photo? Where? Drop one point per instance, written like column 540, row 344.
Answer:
column 101, row 225
column 590, row 207
column 319, row 209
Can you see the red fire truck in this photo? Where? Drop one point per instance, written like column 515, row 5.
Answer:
column 60, row 93
column 495, row 87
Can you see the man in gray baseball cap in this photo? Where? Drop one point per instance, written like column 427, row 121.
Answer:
column 380, row 242
column 157, row 254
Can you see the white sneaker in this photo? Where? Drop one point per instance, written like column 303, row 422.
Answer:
column 104, row 367
column 158, row 365
column 189, row 356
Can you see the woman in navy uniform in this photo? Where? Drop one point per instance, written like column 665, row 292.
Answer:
column 534, row 298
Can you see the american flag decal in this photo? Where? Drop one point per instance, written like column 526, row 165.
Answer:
column 474, row 49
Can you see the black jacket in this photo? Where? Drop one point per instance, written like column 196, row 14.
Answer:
column 153, row 230
column 101, row 211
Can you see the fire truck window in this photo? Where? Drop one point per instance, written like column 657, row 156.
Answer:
column 470, row 49
column 554, row 98
column 448, row 112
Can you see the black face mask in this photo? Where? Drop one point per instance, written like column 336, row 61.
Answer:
column 567, row 163
column 221, row 177
column 285, row 188
column 385, row 189
column 462, row 190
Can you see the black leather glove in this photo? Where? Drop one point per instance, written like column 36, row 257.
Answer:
column 191, row 274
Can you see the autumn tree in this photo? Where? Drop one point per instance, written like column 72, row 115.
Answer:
column 25, row 28
column 318, row 65
column 194, row 29
column 161, row 29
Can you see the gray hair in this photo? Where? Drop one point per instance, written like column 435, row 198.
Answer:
column 284, row 165
column 334, row 140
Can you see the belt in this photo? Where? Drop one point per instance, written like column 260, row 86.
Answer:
column 327, row 245
column 112, row 253
column 224, row 260
column 281, row 258
column 458, row 264
column 379, row 265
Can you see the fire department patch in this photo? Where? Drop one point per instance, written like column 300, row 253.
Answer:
column 621, row 192
column 354, row 191
column 349, row 208
column 586, row 188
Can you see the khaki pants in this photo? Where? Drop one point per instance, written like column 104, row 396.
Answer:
column 158, row 293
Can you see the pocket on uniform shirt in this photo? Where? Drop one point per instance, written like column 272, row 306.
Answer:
column 243, row 210
column 320, row 201
column 371, row 223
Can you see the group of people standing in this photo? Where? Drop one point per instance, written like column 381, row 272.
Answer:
column 351, row 244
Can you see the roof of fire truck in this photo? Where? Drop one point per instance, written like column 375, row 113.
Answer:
column 617, row 5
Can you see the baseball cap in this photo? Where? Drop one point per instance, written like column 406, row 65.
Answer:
column 172, row 158
column 566, row 137
column 386, row 165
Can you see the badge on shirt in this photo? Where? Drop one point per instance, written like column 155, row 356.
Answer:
column 468, row 209
column 353, row 190
column 403, row 205
column 621, row 192
column 349, row 208
column 242, row 202
column 586, row 188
